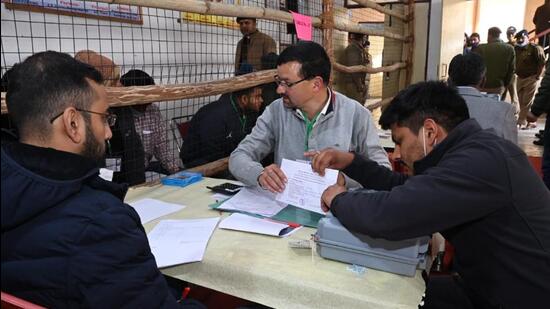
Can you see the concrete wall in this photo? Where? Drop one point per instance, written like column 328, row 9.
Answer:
column 530, row 8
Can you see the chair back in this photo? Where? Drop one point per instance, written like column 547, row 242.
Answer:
column 12, row 302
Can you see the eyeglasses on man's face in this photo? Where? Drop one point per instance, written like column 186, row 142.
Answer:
column 286, row 84
column 108, row 118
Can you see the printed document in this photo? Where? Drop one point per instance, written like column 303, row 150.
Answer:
column 242, row 222
column 254, row 200
column 305, row 187
column 176, row 242
column 150, row 209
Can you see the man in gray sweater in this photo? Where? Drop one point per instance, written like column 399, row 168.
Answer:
column 466, row 73
column 308, row 117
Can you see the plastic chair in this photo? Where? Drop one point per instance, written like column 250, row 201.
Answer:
column 12, row 302
column 180, row 128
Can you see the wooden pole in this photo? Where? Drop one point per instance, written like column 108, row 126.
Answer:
column 223, row 9
column 375, row 6
column 410, row 43
column 378, row 104
column 328, row 26
column 367, row 69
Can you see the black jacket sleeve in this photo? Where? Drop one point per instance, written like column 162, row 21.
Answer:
column 541, row 104
column 373, row 176
column 459, row 190
column 113, row 266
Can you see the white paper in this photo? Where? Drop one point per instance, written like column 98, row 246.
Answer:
column 218, row 197
column 176, row 242
column 305, row 187
column 242, row 222
column 254, row 200
column 149, row 209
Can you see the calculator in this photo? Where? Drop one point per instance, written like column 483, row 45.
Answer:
column 226, row 188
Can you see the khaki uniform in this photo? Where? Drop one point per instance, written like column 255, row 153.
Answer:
column 529, row 61
column 356, row 85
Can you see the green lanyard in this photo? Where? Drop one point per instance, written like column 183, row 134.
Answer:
column 309, row 127
column 242, row 118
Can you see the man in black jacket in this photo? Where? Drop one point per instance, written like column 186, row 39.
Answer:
column 218, row 127
column 68, row 239
column 478, row 190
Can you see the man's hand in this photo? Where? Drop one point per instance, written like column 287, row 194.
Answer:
column 329, row 194
column 273, row 179
column 531, row 117
column 329, row 158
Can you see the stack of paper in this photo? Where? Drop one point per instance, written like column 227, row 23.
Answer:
column 242, row 222
column 149, row 209
column 176, row 242
column 253, row 200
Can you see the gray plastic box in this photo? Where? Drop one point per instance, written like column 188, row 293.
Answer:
column 403, row 257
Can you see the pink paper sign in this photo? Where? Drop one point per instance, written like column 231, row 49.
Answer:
column 303, row 26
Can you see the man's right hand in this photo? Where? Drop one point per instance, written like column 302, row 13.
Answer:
column 273, row 179
column 329, row 158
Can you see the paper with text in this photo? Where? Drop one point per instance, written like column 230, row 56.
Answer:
column 303, row 26
column 242, row 222
column 253, row 200
column 150, row 209
column 176, row 242
column 305, row 187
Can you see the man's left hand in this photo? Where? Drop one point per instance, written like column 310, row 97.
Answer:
column 329, row 194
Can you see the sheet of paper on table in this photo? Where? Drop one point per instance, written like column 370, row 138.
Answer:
column 253, row 200
column 150, row 209
column 176, row 242
column 246, row 223
column 305, row 187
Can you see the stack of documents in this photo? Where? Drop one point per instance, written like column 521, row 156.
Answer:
column 246, row 223
column 253, row 200
column 176, row 242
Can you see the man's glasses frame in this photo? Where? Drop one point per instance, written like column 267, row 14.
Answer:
column 286, row 84
column 109, row 118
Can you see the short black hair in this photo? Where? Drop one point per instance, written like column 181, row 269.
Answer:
column 466, row 70
column 136, row 78
column 431, row 99
column 312, row 57
column 269, row 61
column 243, row 18
column 44, row 85
column 475, row 34
column 521, row 34
column 494, row 32
column 246, row 91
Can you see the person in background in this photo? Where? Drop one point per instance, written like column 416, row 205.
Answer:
column 151, row 128
column 466, row 46
column 309, row 116
column 355, row 85
column 218, row 127
column 512, row 87
column 529, row 66
column 466, row 73
column 68, row 239
column 540, row 106
column 253, row 45
column 477, row 189
column 475, row 39
column 541, row 19
column 125, row 154
column 500, row 60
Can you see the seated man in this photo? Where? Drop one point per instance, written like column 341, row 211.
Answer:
column 125, row 151
column 150, row 126
column 467, row 73
column 68, row 240
column 309, row 116
column 217, row 128
column 475, row 188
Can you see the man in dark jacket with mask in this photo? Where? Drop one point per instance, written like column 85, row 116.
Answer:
column 477, row 189
column 68, row 240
